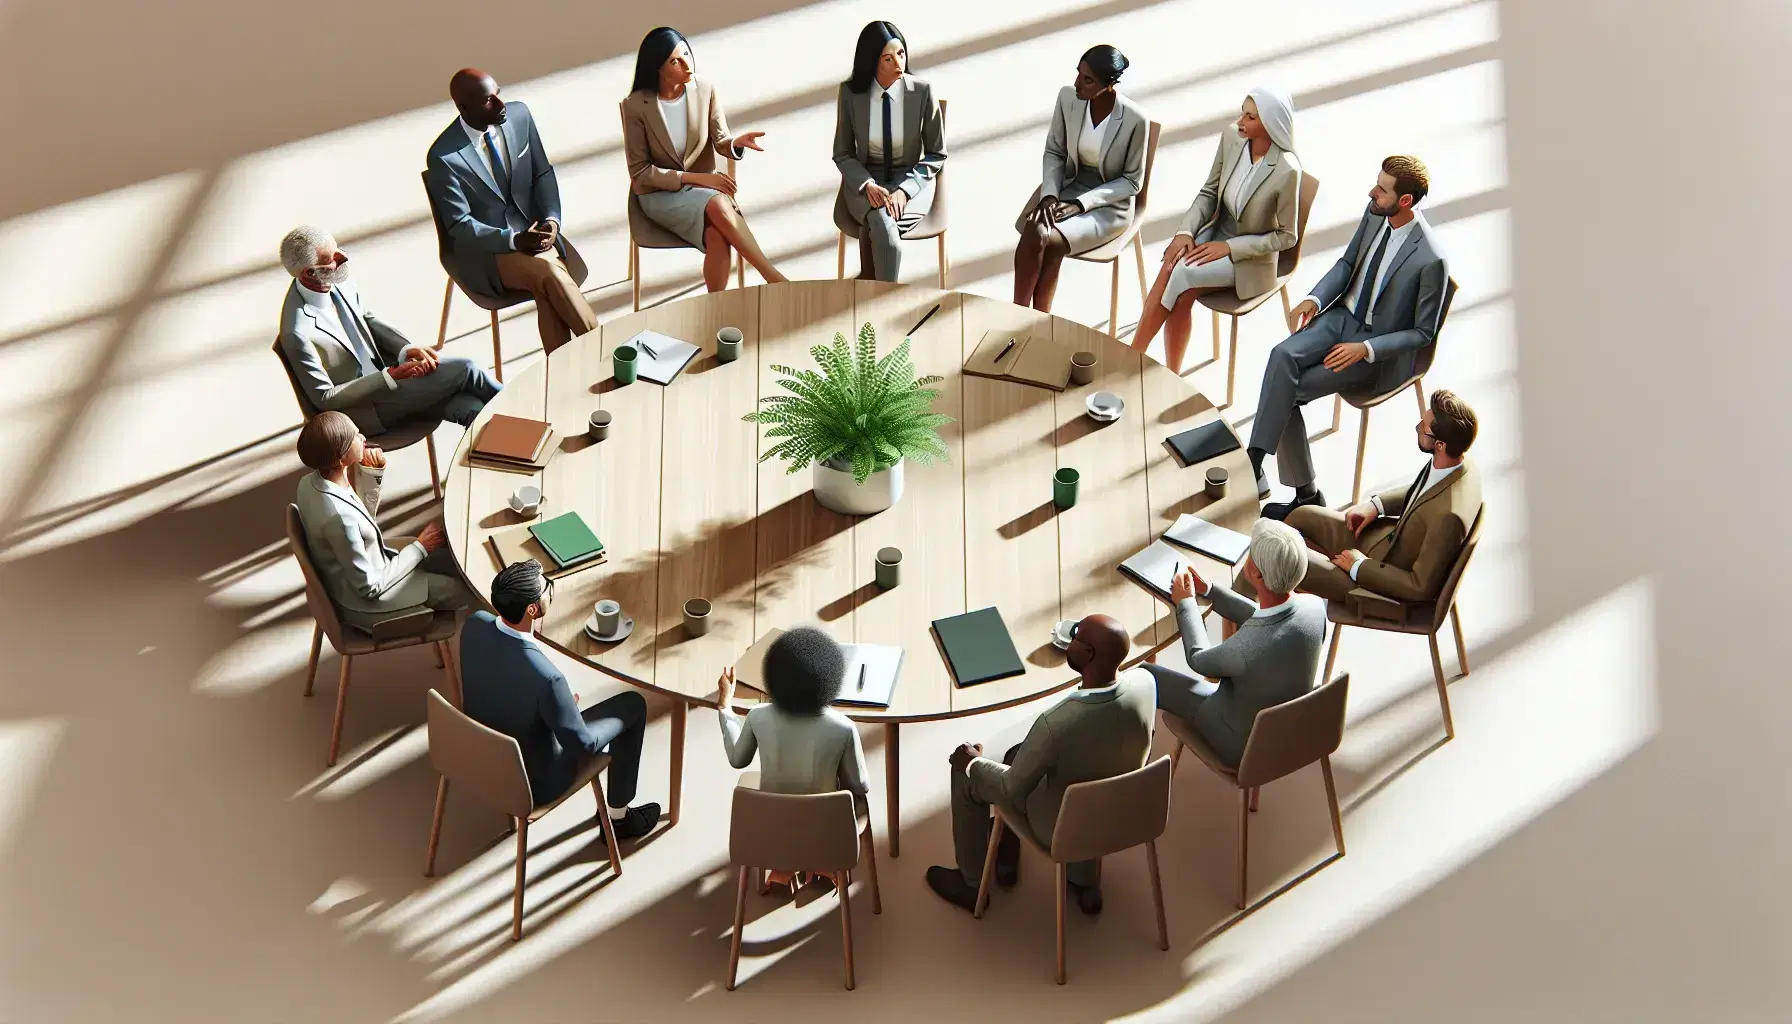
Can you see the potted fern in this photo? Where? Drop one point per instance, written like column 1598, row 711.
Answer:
column 856, row 422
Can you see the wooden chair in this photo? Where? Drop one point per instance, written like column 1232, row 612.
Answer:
column 575, row 265
column 490, row 764
column 643, row 233
column 1426, row 619
column 933, row 225
column 1363, row 403
column 402, row 435
column 1111, row 252
column 410, row 631
column 823, row 833
column 1229, row 304
column 1283, row 740
column 1096, row 819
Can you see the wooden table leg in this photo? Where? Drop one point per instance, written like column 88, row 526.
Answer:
column 893, row 784
column 679, row 711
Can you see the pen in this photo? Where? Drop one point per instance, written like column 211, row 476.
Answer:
column 929, row 316
column 1005, row 349
column 648, row 349
column 861, row 675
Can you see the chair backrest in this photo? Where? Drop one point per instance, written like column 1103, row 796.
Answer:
column 435, row 217
column 1294, row 734
column 298, row 391
column 793, row 832
column 318, row 599
column 937, row 212
column 1109, row 815
column 477, row 758
column 1153, row 131
column 1288, row 259
column 1447, row 596
column 1422, row 361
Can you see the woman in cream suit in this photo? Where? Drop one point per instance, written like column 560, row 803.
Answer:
column 673, row 128
column 1243, row 217
column 1094, row 167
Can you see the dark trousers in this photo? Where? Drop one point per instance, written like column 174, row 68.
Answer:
column 1296, row 375
column 971, row 823
column 620, row 724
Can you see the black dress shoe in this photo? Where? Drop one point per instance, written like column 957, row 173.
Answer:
column 639, row 821
column 1088, row 897
column 1279, row 510
column 949, row 885
column 1008, row 859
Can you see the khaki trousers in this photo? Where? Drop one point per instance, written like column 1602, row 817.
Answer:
column 1326, row 534
column 561, row 311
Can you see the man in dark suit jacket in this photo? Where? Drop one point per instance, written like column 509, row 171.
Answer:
column 508, row 684
column 493, row 190
column 1359, row 331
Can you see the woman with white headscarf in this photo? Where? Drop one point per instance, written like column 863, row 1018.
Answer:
column 1243, row 217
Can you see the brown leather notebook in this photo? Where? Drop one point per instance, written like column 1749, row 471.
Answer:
column 1022, row 358
column 511, row 439
column 549, row 445
column 517, row 544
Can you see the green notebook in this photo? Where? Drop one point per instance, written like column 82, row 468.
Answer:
column 567, row 539
column 978, row 647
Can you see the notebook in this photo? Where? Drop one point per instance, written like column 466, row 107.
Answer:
column 660, row 359
column 517, row 544
column 511, row 439
column 550, row 446
column 1201, row 443
column 882, row 664
column 1029, row 360
column 567, row 539
column 1154, row 568
column 1228, row 546
column 977, row 646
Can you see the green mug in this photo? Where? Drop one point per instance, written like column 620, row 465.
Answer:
column 1064, row 483
column 625, row 358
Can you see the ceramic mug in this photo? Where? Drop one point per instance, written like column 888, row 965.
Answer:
column 526, row 500
column 1216, row 483
column 728, row 343
column 598, row 427
column 1082, row 368
column 609, row 617
column 696, row 616
column 888, row 567
column 627, row 363
column 1064, row 484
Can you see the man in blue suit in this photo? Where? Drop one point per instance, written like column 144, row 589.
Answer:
column 494, row 193
column 508, row 684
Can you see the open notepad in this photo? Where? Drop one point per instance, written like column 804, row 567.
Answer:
column 1023, row 358
column 1211, row 539
column 1154, row 568
column 878, row 665
column 659, row 358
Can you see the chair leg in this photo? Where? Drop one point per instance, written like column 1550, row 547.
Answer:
column 608, row 826
column 1287, row 310
column 840, row 258
column 1461, row 644
column 1138, row 250
column 740, row 921
column 442, row 332
column 1418, row 390
column 1176, row 757
column 840, row 884
column 436, row 649
column 1337, row 413
column 435, row 475
column 1256, row 792
column 341, row 704
column 1362, row 447
column 1063, row 875
column 1331, row 798
column 893, row 786
column 1232, row 364
column 1443, row 693
column 1157, row 894
column 317, row 646
column 740, row 271
column 1114, row 300
column 945, row 262
column 522, row 859
column 989, row 867
column 1216, row 335
column 1244, row 843
column 435, row 827
column 877, row 899
column 634, row 270
column 1331, row 654
column 497, row 350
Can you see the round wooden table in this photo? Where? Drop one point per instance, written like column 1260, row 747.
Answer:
column 685, row 510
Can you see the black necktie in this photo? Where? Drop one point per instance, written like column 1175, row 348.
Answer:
column 1412, row 497
column 889, row 143
column 1364, row 298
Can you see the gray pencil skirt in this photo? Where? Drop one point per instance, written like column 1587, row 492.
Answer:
column 680, row 212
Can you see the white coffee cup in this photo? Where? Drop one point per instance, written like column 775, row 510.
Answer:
column 526, row 500
column 609, row 617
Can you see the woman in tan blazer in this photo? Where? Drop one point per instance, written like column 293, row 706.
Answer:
column 673, row 128
column 1240, row 220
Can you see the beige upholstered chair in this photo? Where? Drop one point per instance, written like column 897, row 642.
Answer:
column 1363, row 403
column 490, row 764
column 933, row 225
column 643, row 233
column 575, row 265
column 1096, row 819
column 1229, row 304
column 402, row 435
column 1366, row 611
column 409, row 631
column 823, row 833
column 1283, row 740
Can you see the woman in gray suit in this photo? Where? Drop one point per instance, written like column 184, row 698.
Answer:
column 889, row 144
column 803, row 744
column 673, row 128
column 1243, row 216
column 1094, row 166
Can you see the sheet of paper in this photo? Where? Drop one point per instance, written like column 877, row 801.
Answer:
column 660, row 359
column 1211, row 539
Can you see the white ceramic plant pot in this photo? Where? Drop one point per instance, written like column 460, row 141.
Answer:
column 836, row 489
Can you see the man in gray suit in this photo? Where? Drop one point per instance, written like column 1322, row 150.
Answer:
column 348, row 360
column 1100, row 730
column 1273, row 657
column 493, row 190
column 887, row 162
column 1359, row 331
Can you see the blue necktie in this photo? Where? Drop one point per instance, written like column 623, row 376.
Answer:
column 889, row 144
column 369, row 358
column 499, row 171
column 1364, row 298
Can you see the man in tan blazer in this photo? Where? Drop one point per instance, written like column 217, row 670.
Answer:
column 1100, row 730
column 1401, row 543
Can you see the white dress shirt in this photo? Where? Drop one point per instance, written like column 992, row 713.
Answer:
column 677, row 129
column 485, row 155
column 874, row 128
column 505, row 627
column 1396, row 238
column 1433, row 477
column 1092, row 137
column 323, row 308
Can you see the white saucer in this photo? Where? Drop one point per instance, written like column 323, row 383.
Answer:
column 623, row 629
column 1108, row 413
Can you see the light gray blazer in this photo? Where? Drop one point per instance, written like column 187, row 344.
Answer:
column 325, row 364
column 1272, row 659
column 1122, row 152
column 359, row 571
column 1411, row 300
column 797, row 753
column 478, row 222
column 923, row 137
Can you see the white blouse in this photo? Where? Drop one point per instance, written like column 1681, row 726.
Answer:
column 1245, row 174
column 673, row 113
column 1091, row 139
